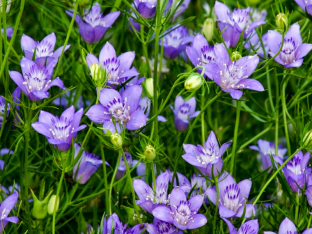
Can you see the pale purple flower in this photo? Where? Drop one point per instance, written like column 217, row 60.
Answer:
column 36, row 79
column 232, row 197
column 139, row 228
column 296, row 171
column 293, row 49
column 183, row 5
column 93, row 25
column 148, row 198
column 147, row 8
column 183, row 112
column 249, row 227
column 9, row 31
column 165, row 228
column 133, row 21
column 60, row 131
column 288, row 227
column 206, row 157
column 258, row 15
column 308, row 194
column 6, row 151
column 5, row 208
column 181, row 212
column 123, row 109
column 202, row 54
column 233, row 75
column 43, row 50
column 265, row 149
column 3, row 111
column 305, row 5
column 113, row 223
column 88, row 165
column 182, row 182
column 199, row 185
column 117, row 69
column 175, row 41
column 235, row 23
column 145, row 106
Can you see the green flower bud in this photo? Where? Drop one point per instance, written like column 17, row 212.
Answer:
column 150, row 152
column 116, row 140
column 149, row 87
column 307, row 140
column 236, row 56
column 194, row 81
column 208, row 28
column 98, row 74
column 40, row 209
column 281, row 21
column 52, row 204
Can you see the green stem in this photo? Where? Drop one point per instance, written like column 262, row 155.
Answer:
column 297, row 208
column 105, row 179
column 57, row 200
column 202, row 104
column 238, row 107
column 217, row 206
column 269, row 88
column 284, row 106
column 276, row 114
column 145, row 52
column 111, row 185
column 309, row 222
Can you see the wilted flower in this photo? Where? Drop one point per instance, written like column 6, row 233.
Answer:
column 235, row 23
column 36, row 79
column 287, row 226
column 117, row 69
column 250, row 227
column 9, row 31
column 208, row 157
column 232, row 197
column 181, row 212
column 148, row 198
column 121, row 108
column 2, row 109
column 183, row 112
column 175, row 41
column 5, row 208
column 93, row 24
column 266, row 148
column 147, row 8
column 233, row 75
column 305, row 5
column 43, row 50
column 60, row 131
column 88, row 165
column 293, row 49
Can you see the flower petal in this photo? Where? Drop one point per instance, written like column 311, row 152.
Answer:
column 42, row 128
column 287, row 226
column 196, row 202
column 96, row 114
column 107, row 52
column 176, row 195
column 163, row 213
column 132, row 96
column 86, row 32
column 108, row 95
column 198, row 220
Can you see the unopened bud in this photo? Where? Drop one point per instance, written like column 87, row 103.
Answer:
column 281, row 21
column 52, row 204
column 208, row 28
column 116, row 140
column 307, row 140
column 150, row 152
column 236, row 56
column 194, row 81
column 97, row 74
column 149, row 87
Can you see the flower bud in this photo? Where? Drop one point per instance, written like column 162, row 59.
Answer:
column 116, row 140
column 149, row 152
column 236, row 56
column 149, row 87
column 194, row 81
column 208, row 28
column 281, row 21
column 307, row 140
column 40, row 209
column 52, row 204
column 97, row 74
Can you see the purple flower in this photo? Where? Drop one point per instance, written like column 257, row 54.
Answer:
column 305, row 5
column 233, row 75
column 182, row 212
column 121, row 108
column 5, row 208
column 250, row 227
column 148, row 198
column 2, row 109
column 9, row 31
column 233, row 24
column 145, row 106
column 183, row 5
column 204, row 158
column 266, row 149
column 147, row 8
column 183, row 182
column 202, row 54
column 43, row 50
column 308, row 194
column 88, row 164
column 6, row 151
column 165, row 228
column 113, row 223
column 254, row 44
column 287, row 227
column 139, row 228
column 175, row 41
column 117, row 69
column 232, row 197
column 36, row 79
column 296, row 172
column 183, row 112
column 93, row 24
column 258, row 15
column 293, row 49
column 60, row 131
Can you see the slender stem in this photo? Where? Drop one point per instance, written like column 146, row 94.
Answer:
column 202, row 104
column 309, row 222
column 276, row 114
column 269, row 88
column 297, row 208
column 284, row 106
column 57, row 200
column 145, row 51
column 105, row 178
column 217, row 206
column 111, row 185
column 238, row 107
